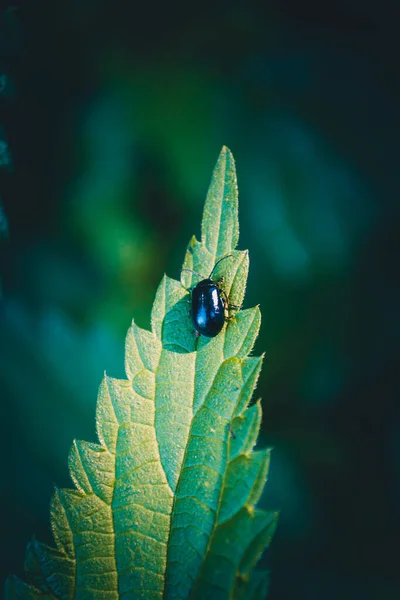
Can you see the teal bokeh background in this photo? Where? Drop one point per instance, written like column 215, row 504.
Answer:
column 112, row 118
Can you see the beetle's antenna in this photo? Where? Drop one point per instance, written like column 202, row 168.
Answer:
column 217, row 263
column 195, row 272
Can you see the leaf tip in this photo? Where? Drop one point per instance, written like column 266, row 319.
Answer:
column 226, row 150
column 250, row 511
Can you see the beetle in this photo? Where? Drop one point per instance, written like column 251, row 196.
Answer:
column 209, row 304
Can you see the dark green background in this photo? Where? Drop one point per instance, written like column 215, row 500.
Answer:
column 114, row 118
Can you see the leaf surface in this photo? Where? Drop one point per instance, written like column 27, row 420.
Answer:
column 164, row 505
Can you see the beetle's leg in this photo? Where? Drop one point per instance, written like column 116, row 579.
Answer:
column 220, row 280
column 226, row 300
column 226, row 303
column 224, row 297
column 236, row 308
column 189, row 290
column 230, row 317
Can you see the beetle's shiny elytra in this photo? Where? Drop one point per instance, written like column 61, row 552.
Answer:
column 209, row 303
column 208, row 308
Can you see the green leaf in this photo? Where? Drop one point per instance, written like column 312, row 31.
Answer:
column 164, row 505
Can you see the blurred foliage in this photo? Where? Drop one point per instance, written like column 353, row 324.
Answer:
column 113, row 118
column 3, row 223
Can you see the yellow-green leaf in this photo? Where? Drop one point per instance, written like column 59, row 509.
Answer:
column 164, row 505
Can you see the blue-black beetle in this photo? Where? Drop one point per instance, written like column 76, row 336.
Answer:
column 209, row 303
